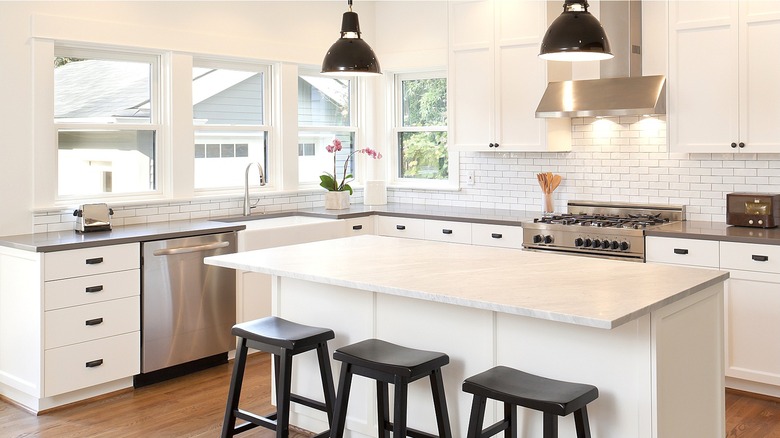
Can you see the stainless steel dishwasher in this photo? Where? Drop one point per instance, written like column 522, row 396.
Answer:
column 188, row 308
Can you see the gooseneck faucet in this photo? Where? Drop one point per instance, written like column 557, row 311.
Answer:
column 247, row 207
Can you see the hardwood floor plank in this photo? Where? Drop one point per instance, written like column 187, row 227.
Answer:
column 192, row 406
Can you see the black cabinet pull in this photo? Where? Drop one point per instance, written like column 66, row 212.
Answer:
column 680, row 251
column 490, row 145
column 734, row 145
column 446, row 231
column 760, row 258
column 95, row 261
column 92, row 289
column 400, row 227
column 95, row 321
column 496, row 235
column 94, row 363
column 357, row 227
column 741, row 144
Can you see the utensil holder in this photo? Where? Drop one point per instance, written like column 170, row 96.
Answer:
column 548, row 203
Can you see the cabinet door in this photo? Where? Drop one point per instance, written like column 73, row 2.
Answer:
column 448, row 231
column 400, row 227
column 674, row 251
column 753, row 320
column 703, row 76
column 503, row 236
column 359, row 225
column 470, row 72
column 759, row 71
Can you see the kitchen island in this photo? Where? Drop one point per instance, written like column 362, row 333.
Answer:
column 650, row 337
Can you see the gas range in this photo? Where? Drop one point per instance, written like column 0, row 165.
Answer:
column 606, row 230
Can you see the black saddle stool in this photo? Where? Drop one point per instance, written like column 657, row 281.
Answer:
column 284, row 339
column 515, row 388
column 390, row 363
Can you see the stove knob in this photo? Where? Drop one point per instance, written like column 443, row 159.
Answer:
column 615, row 244
column 624, row 246
column 605, row 244
column 537, row 238
column 578, row 242
column 596, row 243
column 588, row 243
column 548, row 239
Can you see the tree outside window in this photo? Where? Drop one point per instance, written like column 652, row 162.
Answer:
column 422, row 134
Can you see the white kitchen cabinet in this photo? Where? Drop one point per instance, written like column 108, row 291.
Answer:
column 496, row 78
column 503, row 236
column 396, row 226
column 689, row 252
column 69, row 323
column 723, row 94
column 752, row 316
column 359, row 225
column 448, row 231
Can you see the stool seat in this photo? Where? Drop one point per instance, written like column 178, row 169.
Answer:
column 531, row 391
column 282, row 333
column 391, row 358
column 554, row 398
column 387, row 364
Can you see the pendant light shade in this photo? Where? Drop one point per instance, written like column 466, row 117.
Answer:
column 350, row 55
column 575, row 35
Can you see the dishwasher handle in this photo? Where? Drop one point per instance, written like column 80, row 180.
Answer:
column 187, row 249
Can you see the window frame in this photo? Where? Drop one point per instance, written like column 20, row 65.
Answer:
column 155, row 124
column 396, row 124
column 266, row 126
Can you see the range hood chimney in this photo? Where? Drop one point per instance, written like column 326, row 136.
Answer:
column 622, row 90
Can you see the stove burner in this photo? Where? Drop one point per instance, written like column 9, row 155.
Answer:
column 635, row 221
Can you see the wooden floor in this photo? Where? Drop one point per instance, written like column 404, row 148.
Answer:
column 192, row 406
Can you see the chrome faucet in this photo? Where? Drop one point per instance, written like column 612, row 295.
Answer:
column 247, row 207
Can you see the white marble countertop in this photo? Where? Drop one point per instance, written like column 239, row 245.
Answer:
column 578, row 290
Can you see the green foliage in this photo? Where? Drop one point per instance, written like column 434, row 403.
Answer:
column 329, row 183
column 424, row 154
column 425, row 102
column 59, row 61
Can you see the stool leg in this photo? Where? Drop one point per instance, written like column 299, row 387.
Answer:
column 342, row 400
column 382, row 409
column 440, row 404
column 401, row 390
column 550, row 426
column 510, row 416
column 283, row 395
column 477, row 417
column 326, row 375
column 229, row 422
column 581, row 422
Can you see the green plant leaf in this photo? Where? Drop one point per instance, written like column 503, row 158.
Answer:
column 346, row 188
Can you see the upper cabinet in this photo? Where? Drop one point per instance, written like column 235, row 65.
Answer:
column 723, row 92
column 496, row 78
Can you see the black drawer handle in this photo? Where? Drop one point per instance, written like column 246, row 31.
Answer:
column 94, row 363
column 93, row 289
column 446, row 231
column 497, row 235
column 760, row 258
column 95, row 261
column 400, row 227
column 680, row 251
column 95, row 321
column 357, row 227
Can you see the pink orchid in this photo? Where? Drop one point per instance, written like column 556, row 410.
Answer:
column 329, row 181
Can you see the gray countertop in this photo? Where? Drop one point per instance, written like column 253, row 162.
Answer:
column 717, row 231
column 66, row 240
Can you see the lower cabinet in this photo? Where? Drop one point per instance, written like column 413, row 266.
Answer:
column 752, row 304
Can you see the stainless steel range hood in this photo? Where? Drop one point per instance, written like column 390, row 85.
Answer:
column 622, row 90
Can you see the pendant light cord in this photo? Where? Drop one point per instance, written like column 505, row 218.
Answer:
column 349, row 2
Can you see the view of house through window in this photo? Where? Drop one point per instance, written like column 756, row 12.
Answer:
column 324, row 114
column 422, row 127
column 228, row 106
column 104, row 113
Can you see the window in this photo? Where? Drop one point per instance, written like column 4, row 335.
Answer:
column 325, row 112
column 421, row 127
column 106, row 117
column 229, row 104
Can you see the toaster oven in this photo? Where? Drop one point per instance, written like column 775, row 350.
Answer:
column 761, row 210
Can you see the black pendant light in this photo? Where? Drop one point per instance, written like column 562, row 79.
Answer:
column 350, row 55
column 575, row 35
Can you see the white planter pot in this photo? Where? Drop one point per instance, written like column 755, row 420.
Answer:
column 336, row 200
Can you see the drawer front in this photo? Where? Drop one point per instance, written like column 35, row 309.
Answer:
column 91, row 289
column 690, row 252
column 91, row 363
column 446, row 231
column 90, row 261
column 91, row 321
column 750, row 257
column 400, row 227
column 504, row 236
column 358, row 226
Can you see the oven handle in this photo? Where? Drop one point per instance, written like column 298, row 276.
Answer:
column 188, row 249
